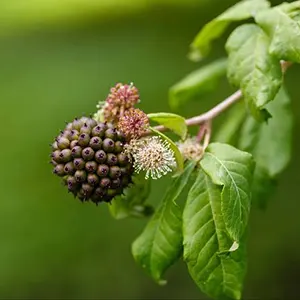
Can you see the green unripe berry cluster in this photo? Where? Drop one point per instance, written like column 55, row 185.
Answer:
column 89, row 156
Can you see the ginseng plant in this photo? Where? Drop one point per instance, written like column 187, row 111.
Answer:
column 113, row 155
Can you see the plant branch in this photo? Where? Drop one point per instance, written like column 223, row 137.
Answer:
column 219, row 108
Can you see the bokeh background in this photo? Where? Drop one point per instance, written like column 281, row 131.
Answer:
column 58, row 58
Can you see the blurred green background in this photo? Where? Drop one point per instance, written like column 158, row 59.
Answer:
column 58, row 58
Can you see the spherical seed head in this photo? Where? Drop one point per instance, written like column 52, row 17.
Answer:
column 191, row 149
column 121, row 98
column 133, row 123
column 92, row 160
column 152, row 155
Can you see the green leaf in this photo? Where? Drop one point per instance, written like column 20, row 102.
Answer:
column 160, row 244
column 282, row 24
column 172, row 121
column 177, row 153
column 132, row 203
column 270, row 143
column 252, row 68
column 215, row 262
column 229, row 129
column 232, row 169
column 263, row 187
column 201, row 45
column 198, row 82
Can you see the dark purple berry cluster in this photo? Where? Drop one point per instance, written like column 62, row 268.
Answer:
column 89, row 156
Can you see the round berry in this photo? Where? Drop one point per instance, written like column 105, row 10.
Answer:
column 112, row 159
column 92, row 179
column 123, row 159
column 79, row 163
column 69, row 168
column 59, row 170
column 99, row 130
column 108, row 145
column 80, row 176
column 83, row 139
column 88, row 153
column 65, row 155
column 91, row 166
column 85, row 129
column 100, row 156
column 105, row 182
column 63, row 143
column 76, row 152
column 102, row 170
column 119, row 146
column 95, row 143
column 111, row 133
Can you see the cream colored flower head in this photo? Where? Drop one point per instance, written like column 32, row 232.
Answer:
column 152, row 155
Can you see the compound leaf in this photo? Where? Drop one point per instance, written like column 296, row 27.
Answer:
column 160, row 244
column 201, row 45
column 215, row 262
column 252, row 68
column 233, row 170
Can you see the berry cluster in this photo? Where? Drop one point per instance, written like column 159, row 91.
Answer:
column 90, row 158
